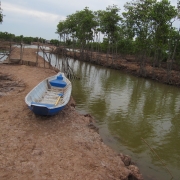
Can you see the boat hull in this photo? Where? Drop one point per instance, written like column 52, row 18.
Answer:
column 45, row 111
column 50, row 96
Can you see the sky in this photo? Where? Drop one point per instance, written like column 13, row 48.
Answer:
column 39, row 18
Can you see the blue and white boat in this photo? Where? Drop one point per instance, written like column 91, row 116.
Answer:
column 50, row 96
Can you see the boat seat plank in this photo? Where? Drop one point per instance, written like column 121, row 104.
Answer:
column 50, row 97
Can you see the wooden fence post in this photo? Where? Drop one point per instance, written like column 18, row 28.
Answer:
column 10, row 52
column 37, row 54
column 21, row 53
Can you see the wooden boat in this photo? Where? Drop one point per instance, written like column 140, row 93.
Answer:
column 50, row 96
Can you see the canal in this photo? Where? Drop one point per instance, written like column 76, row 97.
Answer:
column 135, row 116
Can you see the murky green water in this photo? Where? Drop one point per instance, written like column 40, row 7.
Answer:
column 128, row 109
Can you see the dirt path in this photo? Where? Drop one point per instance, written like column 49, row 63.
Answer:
column 65, row 146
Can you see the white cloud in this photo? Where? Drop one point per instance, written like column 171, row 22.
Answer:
column 44, row 16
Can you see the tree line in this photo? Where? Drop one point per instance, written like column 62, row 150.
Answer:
column 19, row 39
column 25, row 39
column 145, row 29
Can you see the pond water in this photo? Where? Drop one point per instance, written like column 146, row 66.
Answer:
column 3, row 55
column 134, row 116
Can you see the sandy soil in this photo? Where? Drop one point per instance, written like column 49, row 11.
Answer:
column 65, row 146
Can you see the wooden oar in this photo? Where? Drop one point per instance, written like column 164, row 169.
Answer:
column 57, row 101
column 64, row 90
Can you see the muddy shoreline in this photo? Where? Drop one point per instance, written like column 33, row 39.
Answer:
column 65, row 146
column 129, row 65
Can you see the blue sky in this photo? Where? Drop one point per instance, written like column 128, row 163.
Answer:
column 39, row 18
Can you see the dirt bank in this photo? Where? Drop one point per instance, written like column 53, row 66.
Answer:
column 130, row 65
column 65, row 146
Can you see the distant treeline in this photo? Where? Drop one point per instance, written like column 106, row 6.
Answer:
column 27, row 40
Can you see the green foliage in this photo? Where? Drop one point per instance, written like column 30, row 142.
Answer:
column 126, row 46
column 109, row 21
column 19, row 39
column 138, row 19
column 79, row 26
column 104, row 45
column 6, row 36
column 28, row 40
column 144, row 29
column 150, row 22
column 35, row 39
column 54, row 42
column 85, row 25
column 1, row 15
column 178, row 8
column 174, row 44
column 161, row 16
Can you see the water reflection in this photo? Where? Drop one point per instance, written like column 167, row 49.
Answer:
column 128, row 109
column 3, row 55
column 2, row 58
